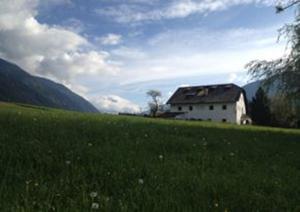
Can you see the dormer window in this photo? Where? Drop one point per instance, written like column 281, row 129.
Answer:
column 227, row 87
column 212, row 88
column 211, row 107
column 200, row 92
column 180, row 108
column 191, row 108
column 190, row 95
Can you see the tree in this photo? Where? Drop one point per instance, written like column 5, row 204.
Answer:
column 285, row 71
column 259, row 108
column 154, row 104
column 283, row 114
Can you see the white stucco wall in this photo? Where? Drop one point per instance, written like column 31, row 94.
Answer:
column 232, row 114
column 240, row 108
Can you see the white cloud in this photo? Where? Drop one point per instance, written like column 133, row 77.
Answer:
column 125, row 13
column 74, row 25
column 47, row 3
column 238, row 77
column 114, row 104
column 202, row 52
column 129, row 53
column 51, row 51
column 78, row 89
column 110, row 39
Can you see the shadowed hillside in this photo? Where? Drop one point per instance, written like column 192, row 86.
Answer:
column 18, row 86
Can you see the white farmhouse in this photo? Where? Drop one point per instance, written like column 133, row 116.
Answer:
column 223, row 103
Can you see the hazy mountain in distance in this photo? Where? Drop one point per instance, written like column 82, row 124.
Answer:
column 252, row 87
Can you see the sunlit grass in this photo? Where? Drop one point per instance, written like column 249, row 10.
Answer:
column 52, row 160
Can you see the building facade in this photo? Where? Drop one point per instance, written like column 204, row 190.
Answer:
column 222, row 103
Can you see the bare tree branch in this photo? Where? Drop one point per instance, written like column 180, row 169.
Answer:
column 280, row 8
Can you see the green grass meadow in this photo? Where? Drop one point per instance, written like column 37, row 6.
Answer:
column 53, row 160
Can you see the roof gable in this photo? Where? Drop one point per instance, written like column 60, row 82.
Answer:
column 222, row 93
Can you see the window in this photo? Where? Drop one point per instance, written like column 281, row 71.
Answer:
column 180, row 108
column 224, row 120
column 211, row 107
column 200, row 92
column 191, row 108
column 224, row 107
column 227, row 87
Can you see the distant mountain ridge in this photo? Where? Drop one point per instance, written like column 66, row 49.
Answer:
column 252, row 87
column 16, row 85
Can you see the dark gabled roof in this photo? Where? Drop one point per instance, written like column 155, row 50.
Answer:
column 222, row 93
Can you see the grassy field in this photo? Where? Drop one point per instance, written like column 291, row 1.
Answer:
column 52, row 160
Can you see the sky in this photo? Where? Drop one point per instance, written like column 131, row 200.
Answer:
column 112, row 52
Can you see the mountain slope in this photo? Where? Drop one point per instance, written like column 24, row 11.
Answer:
column 252, row 87
column 16, row 85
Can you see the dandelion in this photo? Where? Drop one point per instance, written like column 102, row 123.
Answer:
column 90, row 144
column 161, row 157
column 93, row 194
column 146, row 135
column 68, row 162
column 216, row 205
column 36, row 184
column 141, row 181
column 205, row 144
column 231, row 154
column 95, row 205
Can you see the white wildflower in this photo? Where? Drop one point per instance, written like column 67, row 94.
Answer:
column 141, row 181
column 93, row 194
column 95, row 205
